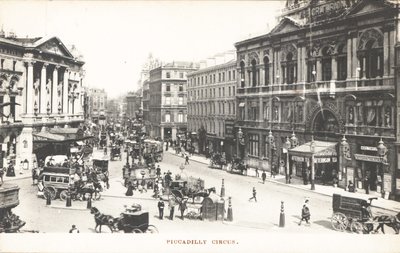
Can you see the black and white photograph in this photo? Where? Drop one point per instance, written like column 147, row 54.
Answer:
column 200, row 126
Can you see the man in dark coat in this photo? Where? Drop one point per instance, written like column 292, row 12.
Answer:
column 263, row 176
column 161, row 206
column 182, row 208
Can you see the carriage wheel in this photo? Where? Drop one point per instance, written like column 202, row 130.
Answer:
column 137, row 231
column 339, row 222
column 152, row 230
column 357, row 227
column 50, row 191
column 63, row 195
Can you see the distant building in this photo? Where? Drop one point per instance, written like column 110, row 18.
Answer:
column 167, row 100
column 98, row 106
column 133, row 104
column 212, row 106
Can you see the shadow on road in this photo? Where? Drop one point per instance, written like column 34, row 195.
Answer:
column 324, row 223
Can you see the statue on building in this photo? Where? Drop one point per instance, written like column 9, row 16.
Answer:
column 48, row 86
column 351, row 115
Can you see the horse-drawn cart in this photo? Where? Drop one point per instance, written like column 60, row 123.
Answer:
column 134, row 220
column 351, row 213
column 9, row 222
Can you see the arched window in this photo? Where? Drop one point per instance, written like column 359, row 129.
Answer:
column 291, row 69
column 326, row 64
column 254, row 72
column 242, row 74
column 266, row 71
column 374, row 60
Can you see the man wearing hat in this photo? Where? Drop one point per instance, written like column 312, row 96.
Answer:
column 74, row 229
column 161, row 208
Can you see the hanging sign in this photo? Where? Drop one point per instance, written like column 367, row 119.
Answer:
column 367, row 148
column 368, row 158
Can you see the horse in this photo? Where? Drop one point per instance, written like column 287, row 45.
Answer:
column 392, row 221
column 102, row 219
column 204, row 193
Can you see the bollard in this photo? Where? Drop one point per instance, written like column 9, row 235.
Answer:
column 48, row 199
column 230, row 215
column 89, row 202
column 222, row 189
column 68, row 200
column 282, row 217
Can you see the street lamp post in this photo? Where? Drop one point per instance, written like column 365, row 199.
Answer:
column 270, row 142
column 240, row 140
column 287, row 146
column 382, row 149
column 312, row 149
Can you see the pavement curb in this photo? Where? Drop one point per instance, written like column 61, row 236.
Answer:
column 125, row 197
column 68, row 208
column 189, row 159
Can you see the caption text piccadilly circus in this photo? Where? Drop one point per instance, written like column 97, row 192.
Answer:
column 201, row 242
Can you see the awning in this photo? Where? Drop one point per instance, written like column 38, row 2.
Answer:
column 321, row 149
column 45, row 137
column 241, row 104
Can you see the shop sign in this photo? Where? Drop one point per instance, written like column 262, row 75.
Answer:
column 367, row 148
column 299, row 159
column 387, row 182
column 368, row 158
column 325, row 160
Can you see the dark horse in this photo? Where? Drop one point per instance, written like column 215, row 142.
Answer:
column 392, row 221
column 204, row 193
column 102, row 219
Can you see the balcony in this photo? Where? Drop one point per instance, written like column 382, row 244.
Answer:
column 370, row 130
column 372, row 84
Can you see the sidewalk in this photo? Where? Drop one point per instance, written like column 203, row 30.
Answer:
column 25, row 174
column 382, row 203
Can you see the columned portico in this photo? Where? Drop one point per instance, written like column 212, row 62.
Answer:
column 65, row 91
column 54, row 97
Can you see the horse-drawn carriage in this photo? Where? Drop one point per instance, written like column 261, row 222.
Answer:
column 100, row 162
column 155, row 148
column 115, row 153
column 140, row 174
column 132, row 220
column 217, row 159
column 9, row 222
column 355, row 214
column 238, row 167
column 190, row 188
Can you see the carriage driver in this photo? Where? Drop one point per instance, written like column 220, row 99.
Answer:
column 366, row 210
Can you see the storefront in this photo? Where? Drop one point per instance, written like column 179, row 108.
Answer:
column 315, row 161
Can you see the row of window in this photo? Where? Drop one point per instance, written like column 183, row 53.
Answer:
column 169, row 119
column 370, row 62
column 175, row 74
column 211, row 108
column 169, row 85
column 229, row 75
column 213, row 127
column 168, row 100
column 212, row 92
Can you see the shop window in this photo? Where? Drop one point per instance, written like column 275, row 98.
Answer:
column 253, row 144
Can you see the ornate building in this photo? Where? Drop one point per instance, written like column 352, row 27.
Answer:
column 133, row 104
column 212, row 108
column 318, row 91
column 167, row 100
column 40, row 89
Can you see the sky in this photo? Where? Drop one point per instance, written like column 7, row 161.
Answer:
column 116, row 37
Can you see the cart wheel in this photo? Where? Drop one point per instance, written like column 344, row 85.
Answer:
column 63, row 195
column 137, row 231
column 357, row 227
column 152, row 230
column 339, row 222
column 50, row 191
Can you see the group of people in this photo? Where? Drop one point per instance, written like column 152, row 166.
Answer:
column 182, row 206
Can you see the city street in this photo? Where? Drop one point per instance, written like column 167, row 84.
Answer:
column 248, row 217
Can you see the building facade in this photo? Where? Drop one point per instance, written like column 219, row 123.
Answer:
column 98, row 106
column 133, row 104
column 317, row 94
column 41, row 88
column 212, row 108
column 167, row 101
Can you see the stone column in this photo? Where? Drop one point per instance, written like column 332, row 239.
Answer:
column 43, row 92
column 304, row 64
column 65, row 91
column 6, row 109
column 392, row 44
column 260, row 110
column 354, row 59
column 54, row 95
column 271, row 67
column 299, row 62
column 29, row 92
column 349, row 59
column 334, row 68
column 363, row 66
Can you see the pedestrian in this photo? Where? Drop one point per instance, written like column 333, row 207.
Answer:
column 305, row 213
column 366, row 184
column 171, row 205
column 158, row 171
column 143, row 184
column 1, row 175
column 254, row 194
column 34, row 176
column 257, row 174
column 351, row 187
column 10, row 170
column 161, row 208
column 74, row 229
column 129, row 192
column 182, row 208
column 264, row 176
column 186, row 159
